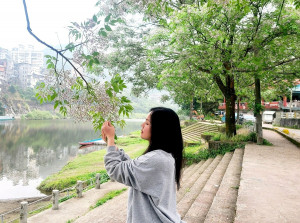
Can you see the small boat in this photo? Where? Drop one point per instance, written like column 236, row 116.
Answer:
column 99, row 141
column 6, row 117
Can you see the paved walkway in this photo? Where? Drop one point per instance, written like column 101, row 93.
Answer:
column 75, row 207
column 294, row 133
column 270, row 182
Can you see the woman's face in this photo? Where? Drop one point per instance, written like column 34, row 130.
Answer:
column 146, row 128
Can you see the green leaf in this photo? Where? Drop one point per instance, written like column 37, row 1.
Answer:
column 95, row 53
column 95, row 18
column 56, row 104
column 107, row 18
column 102, row 33
column 53, row 96
column 116, row 89
column 50, row 66
column 91, row 62
column 109, row 93
column 107, row 27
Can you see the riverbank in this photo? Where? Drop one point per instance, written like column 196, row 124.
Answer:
column 83, row 167
column 86, row 166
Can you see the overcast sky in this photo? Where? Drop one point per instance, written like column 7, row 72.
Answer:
column 48, row 18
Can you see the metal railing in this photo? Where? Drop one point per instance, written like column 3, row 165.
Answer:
column 295, row 115
column 77, row 190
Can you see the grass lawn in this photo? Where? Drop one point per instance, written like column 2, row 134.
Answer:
column 86, row 166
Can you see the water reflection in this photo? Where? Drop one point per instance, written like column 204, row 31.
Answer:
column 32, row 150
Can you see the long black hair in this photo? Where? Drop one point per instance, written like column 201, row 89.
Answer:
column 166, row 135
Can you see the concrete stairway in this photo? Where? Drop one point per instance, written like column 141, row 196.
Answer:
column 193, row 132
column 208, row 193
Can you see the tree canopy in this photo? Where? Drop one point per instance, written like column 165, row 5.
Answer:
column 189, row 47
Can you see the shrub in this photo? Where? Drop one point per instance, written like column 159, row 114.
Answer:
column 191, row 158
column 219, row 137
column 209, row 133
column 39, row 115
column 238, row 126
column 286, row 131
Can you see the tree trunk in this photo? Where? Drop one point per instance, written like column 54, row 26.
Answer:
column 191, row 109
column 258, row 111
column 230, row 97
column 238, row 111
column 230, row 115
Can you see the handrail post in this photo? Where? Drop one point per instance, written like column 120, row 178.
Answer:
column 55, row 196
column 79, row 188
column 2, row 218
column 23, row 212
column 98, row 178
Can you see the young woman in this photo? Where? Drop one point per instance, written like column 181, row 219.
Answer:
column 154, row 175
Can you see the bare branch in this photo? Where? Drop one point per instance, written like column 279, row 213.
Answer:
column 52, row 48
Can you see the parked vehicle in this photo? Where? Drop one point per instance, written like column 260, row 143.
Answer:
column 99, row 141
column 219, row 113
column 249, row 118
column 241, row 118
column 268, row 116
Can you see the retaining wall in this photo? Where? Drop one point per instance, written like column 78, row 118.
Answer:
column 290, row 122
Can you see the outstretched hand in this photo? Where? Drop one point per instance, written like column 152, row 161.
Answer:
column 108, row 133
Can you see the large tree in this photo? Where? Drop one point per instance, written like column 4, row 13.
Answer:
column 220, row 40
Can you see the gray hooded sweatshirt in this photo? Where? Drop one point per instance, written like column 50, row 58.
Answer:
column 152, row 196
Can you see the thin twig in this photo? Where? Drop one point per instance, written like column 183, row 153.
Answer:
column 73, row 46
column 52, row 48
column 280, row 12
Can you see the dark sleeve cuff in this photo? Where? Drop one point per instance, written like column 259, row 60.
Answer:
column 111, row 148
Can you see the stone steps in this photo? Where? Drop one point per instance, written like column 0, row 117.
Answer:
column 223, row 207
column 189, row 182
column 186, row 176
column 203, row 201
column 188, row 171
column 185, row 203
column 193, row 132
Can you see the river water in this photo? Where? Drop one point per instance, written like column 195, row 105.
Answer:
column 31, row 150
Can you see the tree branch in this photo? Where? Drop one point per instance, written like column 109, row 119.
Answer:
column 220, row 83
column 280, row 11
column 270, row 67
column 52, row 48
column 248, row 48
column 79, row 44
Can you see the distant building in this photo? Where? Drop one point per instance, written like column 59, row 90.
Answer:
column 6, row 67
column 29, row 65
column 28, row 55
column 284, row 105
column 4, row 53
column 24, row 72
